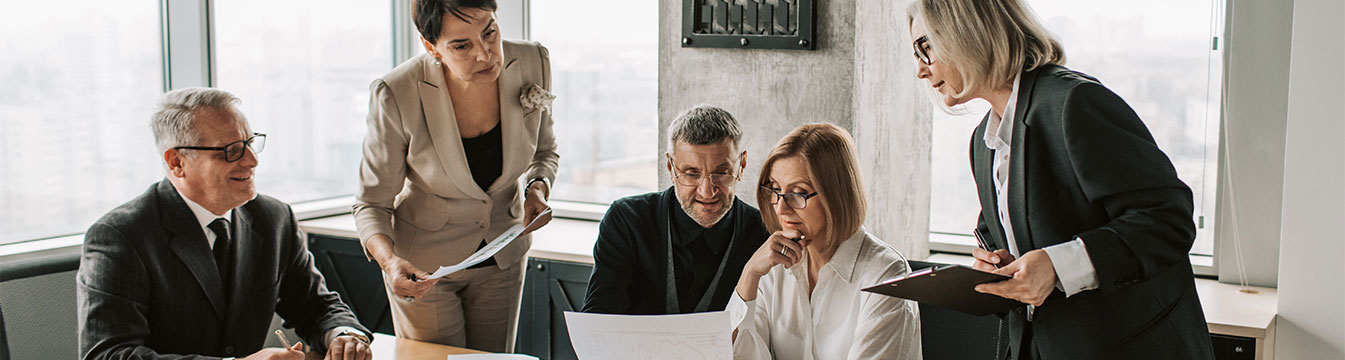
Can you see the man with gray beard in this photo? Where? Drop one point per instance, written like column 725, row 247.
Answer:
column 680, row 250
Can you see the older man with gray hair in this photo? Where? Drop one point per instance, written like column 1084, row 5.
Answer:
column 680, row 250
column 196, row 266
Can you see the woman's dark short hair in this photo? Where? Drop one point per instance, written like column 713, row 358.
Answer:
column 429, row 14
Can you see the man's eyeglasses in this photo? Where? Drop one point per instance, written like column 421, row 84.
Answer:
column 695, row 178
column 234, row 150
column 922, row 50
column 796, row 201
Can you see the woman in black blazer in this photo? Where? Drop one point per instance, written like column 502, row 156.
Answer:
column 1078, row 203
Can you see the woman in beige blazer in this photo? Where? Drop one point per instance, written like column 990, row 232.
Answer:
column 452, row 135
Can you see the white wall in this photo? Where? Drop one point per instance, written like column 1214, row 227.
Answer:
column 1311, row 321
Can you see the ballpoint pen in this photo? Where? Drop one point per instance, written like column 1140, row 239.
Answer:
column 283, row 340
column 980, row 241
column 795, row 240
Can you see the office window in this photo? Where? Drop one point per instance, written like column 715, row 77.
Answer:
column 80, row 80
column 605, row 77
column 303, row 69
column 1161, row 62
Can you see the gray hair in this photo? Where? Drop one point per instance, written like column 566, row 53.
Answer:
column 704, row 124
column 174, row 123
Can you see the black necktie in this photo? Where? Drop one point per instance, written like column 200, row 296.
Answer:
column 221, row 229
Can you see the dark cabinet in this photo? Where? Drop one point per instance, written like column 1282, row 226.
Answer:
column 549, row 290
column 1233, row 347
column 359, row 281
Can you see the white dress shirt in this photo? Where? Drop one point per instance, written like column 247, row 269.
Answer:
column 205, row 217
column 1074, row 271
column 838, row 321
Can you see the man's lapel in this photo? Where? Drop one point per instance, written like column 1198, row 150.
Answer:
column 190, row 245
column 247, row 245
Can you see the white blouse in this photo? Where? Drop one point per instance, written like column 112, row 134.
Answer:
column 838, row 321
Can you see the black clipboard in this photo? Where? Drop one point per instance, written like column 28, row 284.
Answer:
column 949, row 286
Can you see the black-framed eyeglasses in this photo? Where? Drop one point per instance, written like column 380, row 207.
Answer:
column 922, row 50
column 794, row 200
column 234, row 150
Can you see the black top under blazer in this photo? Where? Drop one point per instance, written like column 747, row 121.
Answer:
column 1084, row 165
column 148, row 287
column 630, row 271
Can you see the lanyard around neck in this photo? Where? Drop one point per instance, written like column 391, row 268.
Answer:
column 673, row 306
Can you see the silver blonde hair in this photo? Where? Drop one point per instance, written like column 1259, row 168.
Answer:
column 988, row 41
column 174, row 122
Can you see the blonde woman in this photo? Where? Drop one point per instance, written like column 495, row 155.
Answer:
column 459, row 149
column 1080, row 205
column 798, row 296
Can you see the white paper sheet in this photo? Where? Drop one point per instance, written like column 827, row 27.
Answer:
column 493, row 246
column 491, row 357
column 701, row 336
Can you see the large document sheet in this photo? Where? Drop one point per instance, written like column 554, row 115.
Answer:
column 492, row 357
column 701, row 336
column 494, row 246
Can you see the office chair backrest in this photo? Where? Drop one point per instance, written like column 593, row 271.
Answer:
column 37, row 294
column 4, row 341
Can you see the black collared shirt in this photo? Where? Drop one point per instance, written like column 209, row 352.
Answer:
column 630, row 272
column 697, row 252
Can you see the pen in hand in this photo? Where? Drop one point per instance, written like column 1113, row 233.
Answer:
column 286, row 342
column 980, row 241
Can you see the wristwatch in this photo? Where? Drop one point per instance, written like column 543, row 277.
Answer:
column 542, row 179
column 353, row 333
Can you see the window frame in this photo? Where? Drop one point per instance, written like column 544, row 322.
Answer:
column 187, row 33
column 1202, row 265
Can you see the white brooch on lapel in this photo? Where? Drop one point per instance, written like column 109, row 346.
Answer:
column 535, row 97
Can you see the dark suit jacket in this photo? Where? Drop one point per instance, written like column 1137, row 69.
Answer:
column 630, row 271
column 148, row 286
column 1084, row 165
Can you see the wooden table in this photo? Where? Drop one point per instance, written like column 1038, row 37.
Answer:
column 394, row 348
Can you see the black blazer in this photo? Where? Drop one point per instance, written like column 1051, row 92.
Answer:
column 1084, row 165
column 148, row 286
column 630, row 274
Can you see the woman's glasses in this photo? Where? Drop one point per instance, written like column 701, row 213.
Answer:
column 922, row 50
column 796, row 201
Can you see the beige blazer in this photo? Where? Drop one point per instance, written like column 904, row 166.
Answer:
column 415, row 184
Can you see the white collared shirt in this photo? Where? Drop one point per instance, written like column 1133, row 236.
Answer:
column 205, row 217
column 1074, row 271
column 838, row 321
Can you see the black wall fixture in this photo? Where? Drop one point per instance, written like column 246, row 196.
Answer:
column 748, row 24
